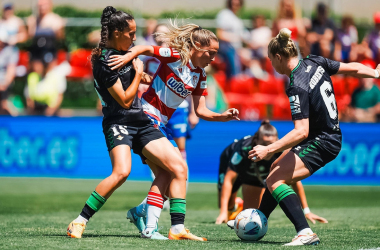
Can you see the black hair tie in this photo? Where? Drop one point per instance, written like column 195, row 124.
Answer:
column 199, row 28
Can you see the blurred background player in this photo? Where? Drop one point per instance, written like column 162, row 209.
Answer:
column 236, row 170
column 316, row 138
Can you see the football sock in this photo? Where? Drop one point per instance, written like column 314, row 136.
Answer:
column 306, row 231
column 93, row 204
column 290, row 204
column 80, row 219
column 154, row 203
column 141, row 209
column 177, row 213
column 268, row 203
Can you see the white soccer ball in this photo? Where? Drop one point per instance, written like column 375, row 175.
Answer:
column 251, row 225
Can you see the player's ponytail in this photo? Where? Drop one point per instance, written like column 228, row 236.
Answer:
column 183, row 38
column 265, row 129
column 283, row 45
column 111, row 20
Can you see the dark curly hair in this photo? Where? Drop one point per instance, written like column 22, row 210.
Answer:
column 111, row 20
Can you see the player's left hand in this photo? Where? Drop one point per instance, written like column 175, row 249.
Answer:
column 259, row 153
column 118, row 61
column 230, row 114
column 313, row 217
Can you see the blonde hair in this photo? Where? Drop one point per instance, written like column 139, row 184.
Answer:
column 283, row 45
column 183, row 38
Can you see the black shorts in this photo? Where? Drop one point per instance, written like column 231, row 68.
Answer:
column 316, row 152
column 135, row 136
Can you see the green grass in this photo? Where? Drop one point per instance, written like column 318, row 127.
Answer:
column 34, row 214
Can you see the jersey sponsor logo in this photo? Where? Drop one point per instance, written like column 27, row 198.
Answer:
column 125, row 70
column 316, row 77
column 295, row 104
column 120, row 137
column 178, row 87
column 164, row 52
column 203, row 85
column 308, row 69
column 236, row 158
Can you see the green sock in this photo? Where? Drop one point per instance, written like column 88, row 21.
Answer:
column 96, row 201
column 281, row 192
column 177, row 211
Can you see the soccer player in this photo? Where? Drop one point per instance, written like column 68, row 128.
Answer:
column 126, row 127
column 180, row 74
column 236, row 170
column 316, row 138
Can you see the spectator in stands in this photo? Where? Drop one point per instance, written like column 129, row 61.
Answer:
column 260, row 38
column 365, row 101
column 231, row 33
column 45, row 30
column 322, row 34
column 347, row 37
column 13, row 25
column 9, row 56
column 151, row 25
column 47, row 82
column 287, row 18
column 372, row 40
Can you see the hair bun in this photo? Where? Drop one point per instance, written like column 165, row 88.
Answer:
column 107, row 12
column 265, row 122
column 284, row 34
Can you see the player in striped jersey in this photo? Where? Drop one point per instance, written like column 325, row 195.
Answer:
column 180, row 74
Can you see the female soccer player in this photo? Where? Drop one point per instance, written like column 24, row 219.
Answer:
column 316, row 138
column 126, row 127
column 235, row 170
column 180, row 74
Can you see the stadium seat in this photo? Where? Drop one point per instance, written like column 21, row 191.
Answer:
column 339, row 84
column 242, row 85
column 352, row 83
column 249, row 108
column 271, row 86
column 23, row 58
column 80, row 64
column 220, row 78
column 342, row 102
column 281, row 108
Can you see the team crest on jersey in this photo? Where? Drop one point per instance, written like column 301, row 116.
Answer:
column 203, row 85
column 195, row 79
column 178, row 87
column 308, row 69
column 295, row 104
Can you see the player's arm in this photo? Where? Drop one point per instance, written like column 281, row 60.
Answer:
column 298, row 188
column 146, row 79
column 229, row 180
column 118, row 61
column 358, row 70
column 298, row 134
column 125, row 98
column 203, row 112
column 9, row 75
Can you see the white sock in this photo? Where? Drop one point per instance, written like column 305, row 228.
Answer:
column 306, row 231
column 141, row 209
column 153, row 209
column 80, row 219
column 176, row 229
column 153, row 214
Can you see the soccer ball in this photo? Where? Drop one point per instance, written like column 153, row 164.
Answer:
column 251, row 224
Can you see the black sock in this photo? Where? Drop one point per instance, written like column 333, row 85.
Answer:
column 268, row 203
column 177, row 218
column 292, row 208
column 87, row 212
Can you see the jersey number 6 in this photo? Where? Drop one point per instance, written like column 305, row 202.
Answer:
column 329, row 99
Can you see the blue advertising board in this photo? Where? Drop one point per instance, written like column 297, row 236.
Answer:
column 75, row 148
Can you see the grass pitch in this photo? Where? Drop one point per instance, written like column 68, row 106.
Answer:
column 34, row 214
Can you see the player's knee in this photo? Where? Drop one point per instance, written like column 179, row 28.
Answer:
column 180, row 170
column 121, row 176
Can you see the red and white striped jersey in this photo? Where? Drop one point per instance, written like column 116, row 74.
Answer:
column 172, row 83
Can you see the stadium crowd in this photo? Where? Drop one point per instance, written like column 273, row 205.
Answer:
column 241, row 76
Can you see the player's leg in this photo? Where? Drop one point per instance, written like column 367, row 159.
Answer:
column 121, row 167
column 252, row 196
column 162, row 153
column 289, row 170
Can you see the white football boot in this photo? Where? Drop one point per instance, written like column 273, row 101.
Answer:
column 301, row 240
